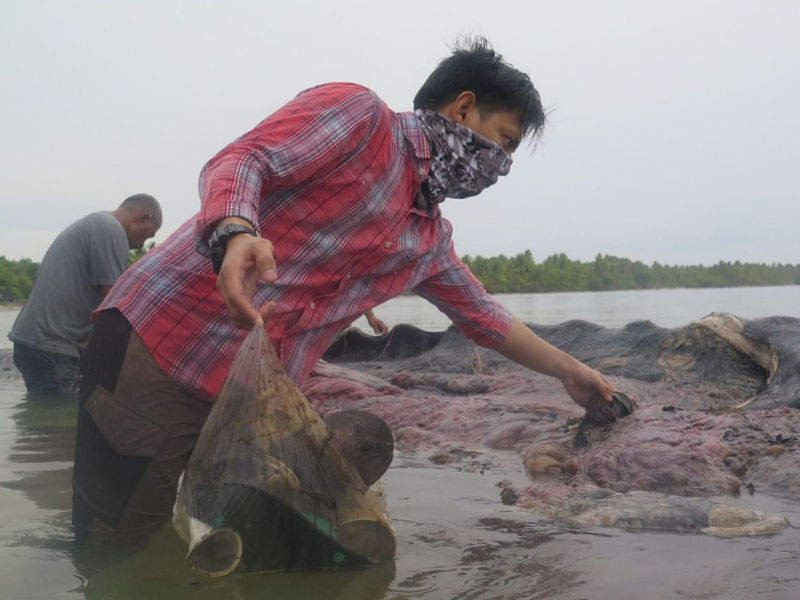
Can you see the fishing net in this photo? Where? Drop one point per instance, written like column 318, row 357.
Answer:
column 270, row 486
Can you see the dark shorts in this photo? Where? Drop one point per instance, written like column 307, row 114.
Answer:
column 47, row 373
column 136, row 431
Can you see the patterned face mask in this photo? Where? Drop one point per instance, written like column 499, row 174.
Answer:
column 463, row 163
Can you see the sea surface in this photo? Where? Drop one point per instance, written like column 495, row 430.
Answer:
column 455, row 539
column 667, row 307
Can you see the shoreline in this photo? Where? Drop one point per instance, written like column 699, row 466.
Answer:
column 651, row 289
column 17, row 306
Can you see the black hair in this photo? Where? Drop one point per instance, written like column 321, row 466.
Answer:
column 474, row 66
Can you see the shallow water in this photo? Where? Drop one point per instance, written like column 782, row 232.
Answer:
column 455, row 538
column 7, row 316
column 666, row 308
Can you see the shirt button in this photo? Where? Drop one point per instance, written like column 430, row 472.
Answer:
column 347, row 276
column 387, row 245
column 422, row 173
column 312, row 306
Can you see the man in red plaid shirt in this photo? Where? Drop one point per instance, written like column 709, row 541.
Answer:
column 324, row 210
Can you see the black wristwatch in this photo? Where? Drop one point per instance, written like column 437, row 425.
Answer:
column 219, row 240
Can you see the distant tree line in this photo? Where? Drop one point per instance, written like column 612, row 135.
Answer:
column 558, row 273
column 521, row 273
column 16, row 279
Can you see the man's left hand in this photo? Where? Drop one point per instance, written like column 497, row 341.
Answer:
column 378, row 326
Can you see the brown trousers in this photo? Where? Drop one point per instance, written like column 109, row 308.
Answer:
column 136, row 431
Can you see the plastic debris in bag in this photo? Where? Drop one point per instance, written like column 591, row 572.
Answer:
column 268, row 486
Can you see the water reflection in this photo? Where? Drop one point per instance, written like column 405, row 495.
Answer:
column 36, row 446
column 498, row 557
column 42, row 452
column 159, row 569
column 454, row 541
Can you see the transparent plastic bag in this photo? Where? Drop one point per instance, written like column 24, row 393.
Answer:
column 268, row 488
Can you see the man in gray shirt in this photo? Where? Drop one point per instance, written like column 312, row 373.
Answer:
column 77, row 271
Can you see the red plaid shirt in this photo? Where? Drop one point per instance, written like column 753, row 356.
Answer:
column 330, row 180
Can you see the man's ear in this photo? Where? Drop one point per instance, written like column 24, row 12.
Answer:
column 462, row 105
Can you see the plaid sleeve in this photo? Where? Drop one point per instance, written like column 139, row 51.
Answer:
column 304, row 140
column 456, row 292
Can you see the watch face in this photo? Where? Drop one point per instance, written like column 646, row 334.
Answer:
column 217, row 254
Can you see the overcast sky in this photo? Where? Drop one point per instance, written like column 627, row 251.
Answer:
column 674, row 131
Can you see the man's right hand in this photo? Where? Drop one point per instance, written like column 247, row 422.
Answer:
column 247, row 260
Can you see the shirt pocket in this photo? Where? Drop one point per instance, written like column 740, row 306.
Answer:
column 129, row 432
column 386, row 258
column 314, row 311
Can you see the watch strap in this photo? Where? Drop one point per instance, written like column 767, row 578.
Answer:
column 218, row 242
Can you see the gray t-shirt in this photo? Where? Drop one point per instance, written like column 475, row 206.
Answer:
column 90, row 253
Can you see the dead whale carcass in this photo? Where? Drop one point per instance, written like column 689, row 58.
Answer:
column 746, row 361
column 651, row 511
column 689, row 439
column 649, row 472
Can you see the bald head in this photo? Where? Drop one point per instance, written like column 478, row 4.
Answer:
column 140, row 216
column 142, row 203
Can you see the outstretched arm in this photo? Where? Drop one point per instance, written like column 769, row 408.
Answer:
column 456, row 292
column 378, row 326
column 528, row 349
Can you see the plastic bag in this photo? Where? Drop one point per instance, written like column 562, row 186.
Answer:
column 268, row 488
